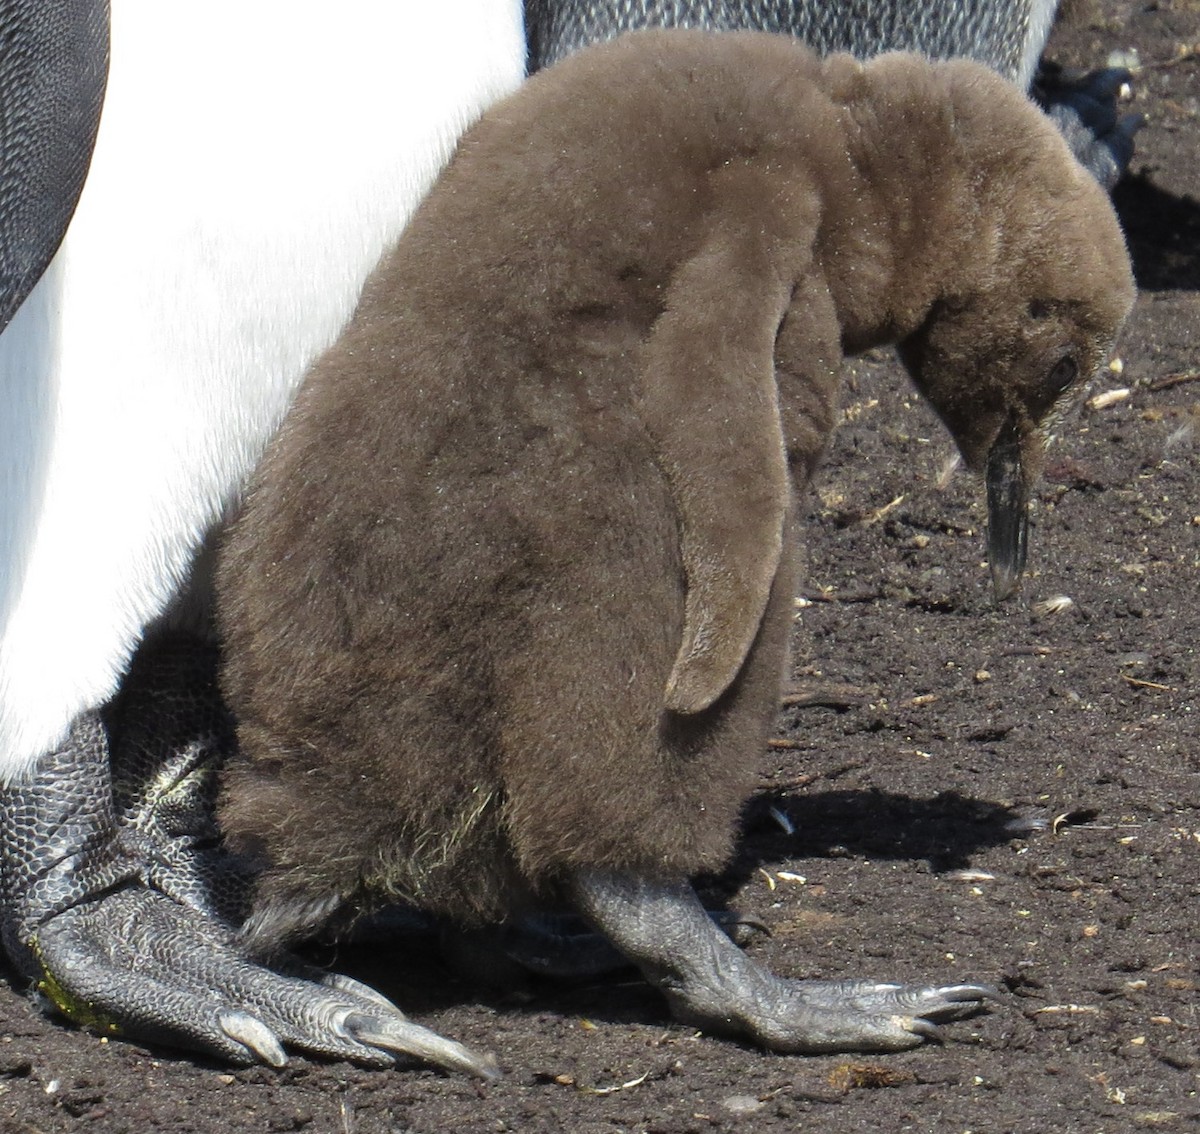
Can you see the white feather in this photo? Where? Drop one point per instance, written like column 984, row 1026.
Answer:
column 254, row 159
column 1041, row 19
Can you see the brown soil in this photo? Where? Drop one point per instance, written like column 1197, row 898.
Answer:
column 1002, row 795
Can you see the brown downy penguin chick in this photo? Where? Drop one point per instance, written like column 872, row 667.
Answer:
column 507, row 611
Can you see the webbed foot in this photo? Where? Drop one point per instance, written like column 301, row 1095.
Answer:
column 1084, row 107
column 711, row 984
column 121, row 907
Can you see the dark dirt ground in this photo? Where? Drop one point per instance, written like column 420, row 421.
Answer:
column 952, row 727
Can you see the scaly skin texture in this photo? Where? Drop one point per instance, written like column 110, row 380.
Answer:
column 121, row 907
column 709, row 982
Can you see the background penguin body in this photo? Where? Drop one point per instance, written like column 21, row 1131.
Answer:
column 453, row 608
column 145, row 372
column 1007, row 36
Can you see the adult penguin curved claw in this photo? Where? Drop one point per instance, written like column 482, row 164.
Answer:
column 122, row 910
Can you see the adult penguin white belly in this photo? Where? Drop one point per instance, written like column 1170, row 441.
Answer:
column 1006, row 35
column 250, row 167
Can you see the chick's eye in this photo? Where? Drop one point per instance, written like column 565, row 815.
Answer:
column 1062, row 374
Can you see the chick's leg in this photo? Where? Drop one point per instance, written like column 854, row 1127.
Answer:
column 120, row 905
column 712, row 984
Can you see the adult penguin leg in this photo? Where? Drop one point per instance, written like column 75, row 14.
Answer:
column 121, row 906
column 1007, row 35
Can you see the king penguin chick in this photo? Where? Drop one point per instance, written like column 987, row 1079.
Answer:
column 141, row 378
column 506, row 612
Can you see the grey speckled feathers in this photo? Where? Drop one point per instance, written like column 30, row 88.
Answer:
column 1006, row 35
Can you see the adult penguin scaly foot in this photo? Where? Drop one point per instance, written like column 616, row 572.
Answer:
column 1006, row 35
column 219, row 244
column 506, row 612
column 122, row 909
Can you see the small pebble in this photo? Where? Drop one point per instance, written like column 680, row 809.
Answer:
column 971, row 876
column 742, row 1104
column 1128, row 60
column 1108, row 398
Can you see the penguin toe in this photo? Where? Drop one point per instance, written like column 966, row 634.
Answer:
column 868, row 1016
column 135, row 964
column 709, row 983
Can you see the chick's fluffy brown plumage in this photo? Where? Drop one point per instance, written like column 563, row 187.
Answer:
column 511, row 594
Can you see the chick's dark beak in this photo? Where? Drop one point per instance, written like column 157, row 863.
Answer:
column 1008, row 511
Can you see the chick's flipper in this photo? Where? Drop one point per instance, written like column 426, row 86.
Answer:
column 711, row 984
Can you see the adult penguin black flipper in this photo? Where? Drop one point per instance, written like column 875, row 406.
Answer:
column 1006, row 35
column 53, row 66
